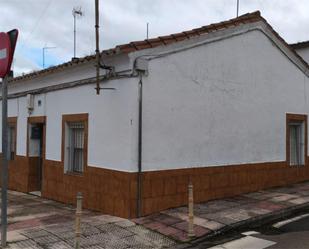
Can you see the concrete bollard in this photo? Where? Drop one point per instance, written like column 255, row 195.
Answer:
column 191, row 214
column 79, row 199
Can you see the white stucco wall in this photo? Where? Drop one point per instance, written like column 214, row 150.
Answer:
column 219, row 104
column 69, row 74
column 304, row 52
column 110, row 126
column 112, row 122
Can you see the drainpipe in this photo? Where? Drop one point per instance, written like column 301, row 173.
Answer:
column 140, row 67
column 140, row 123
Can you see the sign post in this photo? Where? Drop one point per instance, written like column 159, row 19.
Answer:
column 4, row 174
column 7, row 48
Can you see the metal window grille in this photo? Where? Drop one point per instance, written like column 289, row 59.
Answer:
column 296, row 144
column 11, row 142
column 75, row 147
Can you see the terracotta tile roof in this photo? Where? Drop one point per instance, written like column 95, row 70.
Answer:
column 168, row 39
column 299, row 45
column 54, row 68
column 163, row 40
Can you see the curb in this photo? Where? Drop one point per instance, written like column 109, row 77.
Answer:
column 250, row 223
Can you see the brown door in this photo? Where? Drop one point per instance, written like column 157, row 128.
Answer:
column 41, row 154
column 36, row 152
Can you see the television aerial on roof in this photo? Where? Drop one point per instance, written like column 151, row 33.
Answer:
column 77, row 13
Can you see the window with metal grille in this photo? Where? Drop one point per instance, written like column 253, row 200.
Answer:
column 75, row 147
column 297, row 143
column 11, row 142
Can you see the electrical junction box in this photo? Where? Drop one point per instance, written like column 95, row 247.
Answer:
column 141, row 64
column 30, row 102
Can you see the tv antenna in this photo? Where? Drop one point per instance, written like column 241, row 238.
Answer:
column 77, row 13
column 237, row 11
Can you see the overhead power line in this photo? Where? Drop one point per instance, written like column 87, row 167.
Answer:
column 37, row 22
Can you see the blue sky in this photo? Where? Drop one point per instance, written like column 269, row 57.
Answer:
column 35, row 54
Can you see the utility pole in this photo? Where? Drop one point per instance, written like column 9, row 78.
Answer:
column 97, row 42
column 76, row 12
column 99, row 63
column 237, row 11
column 43, row 59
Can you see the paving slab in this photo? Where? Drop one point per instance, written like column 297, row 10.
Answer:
column 35, row 222
column 15, row 236
column 216, row 216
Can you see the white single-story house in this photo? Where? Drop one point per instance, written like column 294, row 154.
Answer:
column 224, row 106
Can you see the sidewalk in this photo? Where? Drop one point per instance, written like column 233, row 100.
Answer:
column 37, row 223
column 214, row 217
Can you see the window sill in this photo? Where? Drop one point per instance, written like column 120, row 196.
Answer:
column 73, row 173
column 301, row 165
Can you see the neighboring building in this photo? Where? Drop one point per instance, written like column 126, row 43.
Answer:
column 224, row 106
column 302, row 48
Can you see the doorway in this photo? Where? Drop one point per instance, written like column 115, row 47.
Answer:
column 36, row 155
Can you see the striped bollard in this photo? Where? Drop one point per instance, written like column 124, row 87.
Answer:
column 191, row 214
column 79, row 199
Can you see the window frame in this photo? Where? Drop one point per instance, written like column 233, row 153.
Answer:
column 294, row 119
column 74, row 118
column 12, row 122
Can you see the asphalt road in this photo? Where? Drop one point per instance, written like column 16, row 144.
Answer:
column 293, row 235
column 288, row 234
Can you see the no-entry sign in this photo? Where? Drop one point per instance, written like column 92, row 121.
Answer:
column 7, row 48
column 5, row 54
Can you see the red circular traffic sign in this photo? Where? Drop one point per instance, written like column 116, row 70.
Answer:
column 5, row 54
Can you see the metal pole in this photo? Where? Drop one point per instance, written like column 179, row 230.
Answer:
column 97, row 42
column 191, row 215
column 79, row 199
column 4, row 184
column 43, row 58
column 74, row 35
column 147, row 30
column 44, row 49
column 140, row 148
column 237, row 12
